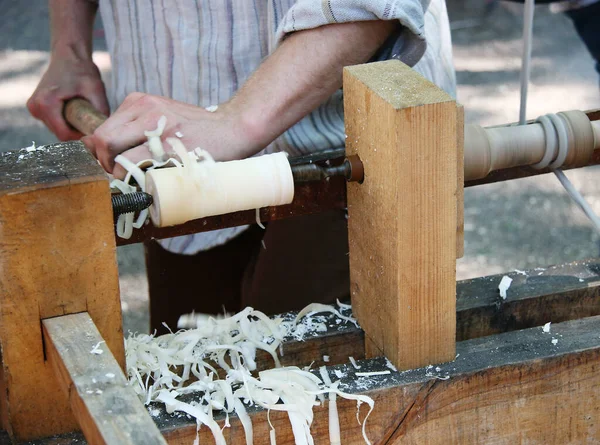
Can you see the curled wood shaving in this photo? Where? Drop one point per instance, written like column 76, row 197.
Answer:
column 215, row 360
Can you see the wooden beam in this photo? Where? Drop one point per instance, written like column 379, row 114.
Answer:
column 58, row 257
column 106, row 407
column 402, row 219
column 552, row 294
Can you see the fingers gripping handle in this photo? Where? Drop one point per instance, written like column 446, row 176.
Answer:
column 83, row 116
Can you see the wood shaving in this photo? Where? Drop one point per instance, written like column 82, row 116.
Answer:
column 504, row 285
column 372, row 373
column 356, row 366
column 96, row 349
column 163, row 368
column 546, row 327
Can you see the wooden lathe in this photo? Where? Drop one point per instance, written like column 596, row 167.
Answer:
column 471, row 367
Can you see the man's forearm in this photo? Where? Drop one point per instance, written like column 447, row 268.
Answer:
column 71, row 25
column 301, row 74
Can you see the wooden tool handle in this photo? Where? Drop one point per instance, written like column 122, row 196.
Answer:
column 83, row 116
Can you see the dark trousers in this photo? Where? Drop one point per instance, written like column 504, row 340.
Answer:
column 587, row 24
column 304, row 260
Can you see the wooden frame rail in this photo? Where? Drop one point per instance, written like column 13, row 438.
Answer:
column 107, row 409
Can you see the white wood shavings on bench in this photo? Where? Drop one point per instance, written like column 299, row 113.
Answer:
column 504, row 285
column 372, row 373
column 96, row 349
column 356, row 365
column 390, row 365
column 161, row 369
column 334, row 419
column 546, row 327
column 339, row 374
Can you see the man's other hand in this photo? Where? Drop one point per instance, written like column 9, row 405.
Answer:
column 64, row 79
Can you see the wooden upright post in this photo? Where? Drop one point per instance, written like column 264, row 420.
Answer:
column 403, row 218
column 57, row 257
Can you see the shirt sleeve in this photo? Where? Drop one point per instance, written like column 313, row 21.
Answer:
column 309, row 14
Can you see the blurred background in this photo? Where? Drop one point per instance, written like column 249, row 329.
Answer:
column 512, row 225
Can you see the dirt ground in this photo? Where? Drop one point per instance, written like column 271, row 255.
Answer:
column 514, row 225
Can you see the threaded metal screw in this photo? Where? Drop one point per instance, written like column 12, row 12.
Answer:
column 130, row 202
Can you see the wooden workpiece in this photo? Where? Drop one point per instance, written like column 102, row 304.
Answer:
column 308, row 199
column 402, row 218
column 58, row 258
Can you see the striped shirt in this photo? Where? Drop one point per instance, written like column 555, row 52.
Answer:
column 202, row 51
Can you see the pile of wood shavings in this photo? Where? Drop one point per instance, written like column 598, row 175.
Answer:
column 163, row 368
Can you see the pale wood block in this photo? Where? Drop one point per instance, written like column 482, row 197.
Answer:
column 106, row 407
column 403, row 218
column 58, row 257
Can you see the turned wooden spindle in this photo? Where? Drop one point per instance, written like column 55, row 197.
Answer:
column 496, row 148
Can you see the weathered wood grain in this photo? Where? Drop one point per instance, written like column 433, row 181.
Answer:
column 58, row 257
column 107, row 409
column 403, row 217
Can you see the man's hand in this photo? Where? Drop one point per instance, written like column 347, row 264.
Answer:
column 71, row 72
column 64, row 79
column 220, row 133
